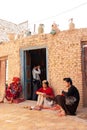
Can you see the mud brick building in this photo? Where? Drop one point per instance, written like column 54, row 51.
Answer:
column 60, row 55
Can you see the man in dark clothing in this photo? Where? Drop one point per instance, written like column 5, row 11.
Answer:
column 69, row 100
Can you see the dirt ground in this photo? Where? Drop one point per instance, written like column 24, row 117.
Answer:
column 16, row 117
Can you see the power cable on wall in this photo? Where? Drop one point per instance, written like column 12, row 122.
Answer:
column 63, row 12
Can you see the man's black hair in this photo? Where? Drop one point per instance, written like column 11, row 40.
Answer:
column 69, row 80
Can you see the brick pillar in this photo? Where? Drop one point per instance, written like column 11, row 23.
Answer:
column 2, row 76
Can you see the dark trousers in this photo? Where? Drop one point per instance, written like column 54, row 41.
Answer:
column 36, row 86
column 69, row 109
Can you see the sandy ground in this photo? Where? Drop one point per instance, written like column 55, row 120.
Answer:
column 16, row 117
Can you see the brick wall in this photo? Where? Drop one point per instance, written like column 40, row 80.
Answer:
column 64, row 56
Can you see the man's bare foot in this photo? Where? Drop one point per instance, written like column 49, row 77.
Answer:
column 61, row 113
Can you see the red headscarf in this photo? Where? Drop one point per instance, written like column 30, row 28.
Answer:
column 16, row 79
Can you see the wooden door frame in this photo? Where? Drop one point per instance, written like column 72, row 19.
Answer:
column 22, row 61
column 83, row 44
column 5, row 58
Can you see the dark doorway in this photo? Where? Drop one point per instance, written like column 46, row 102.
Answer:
column 31, row 58
column 38, row 57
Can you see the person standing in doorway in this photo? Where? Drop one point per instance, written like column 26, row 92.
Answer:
column 36, row 80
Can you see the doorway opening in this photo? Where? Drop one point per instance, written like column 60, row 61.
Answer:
column 38, row 57
column 31, row 58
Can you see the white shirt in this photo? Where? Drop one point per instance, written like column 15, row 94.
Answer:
column 36, row 73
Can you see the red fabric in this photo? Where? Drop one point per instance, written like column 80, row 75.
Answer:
column 16, row 79
column 18, row 100
column 13, row 91
column 47, row 91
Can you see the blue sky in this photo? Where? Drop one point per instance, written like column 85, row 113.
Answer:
column 44, row 11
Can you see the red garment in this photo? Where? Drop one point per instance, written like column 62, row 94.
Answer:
column 47, row 91
column 13, row 91
column 16, row 79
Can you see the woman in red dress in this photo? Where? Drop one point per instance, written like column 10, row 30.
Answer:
column 45, row 96
column 13, row 90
